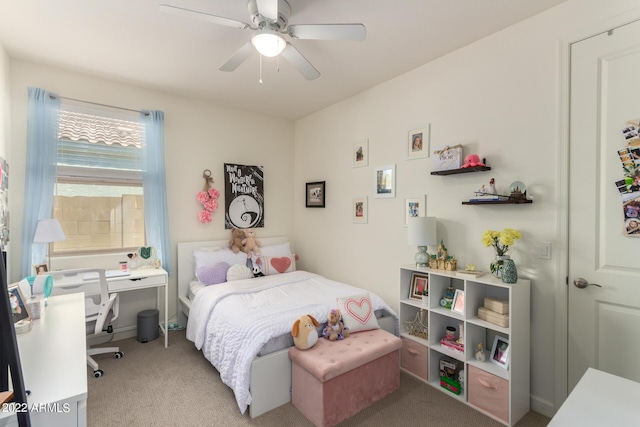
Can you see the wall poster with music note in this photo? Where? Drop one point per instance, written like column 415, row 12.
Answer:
column 244, row 196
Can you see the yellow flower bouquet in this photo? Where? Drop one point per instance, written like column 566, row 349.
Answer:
column 501, row 241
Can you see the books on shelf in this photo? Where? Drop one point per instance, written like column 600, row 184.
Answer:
column 469, row 274
column 487, row 199
column 452, row 345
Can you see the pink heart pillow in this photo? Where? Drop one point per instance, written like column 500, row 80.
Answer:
column 275, row 265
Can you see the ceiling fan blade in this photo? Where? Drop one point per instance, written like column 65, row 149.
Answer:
column 356, row 32
column 268, row 9
column 179, row 11
column 301, row 64
column 237, row 58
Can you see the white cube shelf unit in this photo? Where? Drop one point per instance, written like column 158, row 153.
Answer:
column 501, row 393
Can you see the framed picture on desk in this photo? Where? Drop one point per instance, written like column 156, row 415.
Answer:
column 19, row 309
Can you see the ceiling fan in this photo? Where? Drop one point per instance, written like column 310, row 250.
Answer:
column 269, row 22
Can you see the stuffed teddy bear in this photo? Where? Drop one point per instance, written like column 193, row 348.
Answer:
column 250, row 243
column 335, row 329
column 236, row 240
column 305, row 334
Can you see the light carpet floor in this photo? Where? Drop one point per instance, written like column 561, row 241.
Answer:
column 177, row 386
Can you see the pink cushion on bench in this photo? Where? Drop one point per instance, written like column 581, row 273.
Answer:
column 329, row 359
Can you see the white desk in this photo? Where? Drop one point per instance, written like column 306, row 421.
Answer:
column 137, row 279
column 54, row 365
column 600, row 399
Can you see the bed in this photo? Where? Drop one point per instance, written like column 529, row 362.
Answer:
column 259, row 369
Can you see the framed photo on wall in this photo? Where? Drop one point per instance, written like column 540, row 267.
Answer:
column 385, row 181
column 500, row 352
column 315, row 194
column 360, row 154
column 360, row 210
column 418, row 143
column 419, row 286
column 414, row 207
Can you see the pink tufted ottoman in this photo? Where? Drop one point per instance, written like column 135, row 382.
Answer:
column 335, row 380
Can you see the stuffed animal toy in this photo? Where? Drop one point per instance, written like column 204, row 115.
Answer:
column 236, row 240
column 305, row 334
column 250, row 243
column 335, row 329
column 257, row 272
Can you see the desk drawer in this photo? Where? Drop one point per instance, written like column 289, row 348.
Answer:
column 138, row 282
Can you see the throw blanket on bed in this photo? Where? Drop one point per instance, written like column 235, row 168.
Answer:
column 230, row 322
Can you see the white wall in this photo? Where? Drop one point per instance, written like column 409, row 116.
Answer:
column 198, row 136
column 500, row 98
column 5, row 110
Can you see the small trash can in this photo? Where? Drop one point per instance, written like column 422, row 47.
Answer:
column 148, row 325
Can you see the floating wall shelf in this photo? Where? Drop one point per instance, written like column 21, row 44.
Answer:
column 501, row 202
column 462, row 170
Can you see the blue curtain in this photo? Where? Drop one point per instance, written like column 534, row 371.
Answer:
column 40, row 175
column 155, row 188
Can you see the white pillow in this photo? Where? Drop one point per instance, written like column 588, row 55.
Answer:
column 357, row 312
column 239, row 272
column 209, row 257
column 283, row 249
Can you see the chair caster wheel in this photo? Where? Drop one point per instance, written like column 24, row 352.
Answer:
column 98, row 373
column 119, row 355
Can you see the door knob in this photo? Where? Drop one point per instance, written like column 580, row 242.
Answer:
column 582, row 283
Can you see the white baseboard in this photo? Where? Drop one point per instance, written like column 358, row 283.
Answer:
column 542, row 406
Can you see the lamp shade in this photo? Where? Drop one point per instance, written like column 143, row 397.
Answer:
column 422, row 231
column 48, row 231
column 268, row 43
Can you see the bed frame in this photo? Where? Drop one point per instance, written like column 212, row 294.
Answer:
column 270, row 384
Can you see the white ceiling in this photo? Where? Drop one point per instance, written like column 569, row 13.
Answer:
column 133, row 42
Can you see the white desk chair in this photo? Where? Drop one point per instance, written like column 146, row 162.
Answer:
column 100, row 310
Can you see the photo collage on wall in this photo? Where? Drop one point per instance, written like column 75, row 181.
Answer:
column 629, row 186
column 244, row 196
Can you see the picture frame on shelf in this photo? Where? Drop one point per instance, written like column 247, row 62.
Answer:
column 360, row 154
column 19, row 308
column 457, row 306
column 385, row 181
column 315, row 194
column 414, row 207
column 418, row 143
column 500, row 352
column 360, row 210
column 419, row 283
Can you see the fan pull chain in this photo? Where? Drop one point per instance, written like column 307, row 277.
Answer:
column 278, row 63
column 260, row 81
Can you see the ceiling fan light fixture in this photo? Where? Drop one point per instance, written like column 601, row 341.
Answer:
column 268, row 43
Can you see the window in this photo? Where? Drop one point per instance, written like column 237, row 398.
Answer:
column 98, row 195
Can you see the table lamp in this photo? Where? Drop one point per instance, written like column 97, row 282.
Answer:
column 422, row 233
column 48, row 231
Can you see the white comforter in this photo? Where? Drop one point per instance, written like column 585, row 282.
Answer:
column 231, row 321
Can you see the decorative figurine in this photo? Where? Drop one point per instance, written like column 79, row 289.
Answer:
column 447, row 300
column 492, row 187
column 480, row 356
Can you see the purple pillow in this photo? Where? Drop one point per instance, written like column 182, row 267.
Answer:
column 212, row 275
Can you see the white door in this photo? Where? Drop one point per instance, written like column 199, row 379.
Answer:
column 604, row 320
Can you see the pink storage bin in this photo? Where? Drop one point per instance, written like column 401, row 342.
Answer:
column 488, row 392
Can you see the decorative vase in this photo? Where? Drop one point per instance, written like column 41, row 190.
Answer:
column 509, row 271
column 497, row 265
